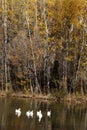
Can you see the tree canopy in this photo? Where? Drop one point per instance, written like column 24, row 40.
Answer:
column 43, row 45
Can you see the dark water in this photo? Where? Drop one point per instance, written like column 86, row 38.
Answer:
column 64, row 117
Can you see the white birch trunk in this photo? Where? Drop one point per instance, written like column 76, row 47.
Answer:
column 37, row 87
column 46, row 51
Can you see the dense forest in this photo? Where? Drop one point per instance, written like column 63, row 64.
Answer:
column 43, row 46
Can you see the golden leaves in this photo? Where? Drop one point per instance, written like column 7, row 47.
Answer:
column 0, row 10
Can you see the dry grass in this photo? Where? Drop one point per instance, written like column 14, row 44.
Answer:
column 80, row 99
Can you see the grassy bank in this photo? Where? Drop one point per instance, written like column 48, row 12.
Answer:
column 78, row 99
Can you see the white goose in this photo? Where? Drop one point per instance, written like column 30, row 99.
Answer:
column 18, row 112
column 49, row 113
column 39, row 114
column 29, row 114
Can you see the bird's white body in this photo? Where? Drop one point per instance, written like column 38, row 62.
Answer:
column 18, row 112
column 29, row 114
column 49, row 113
column 39, row 115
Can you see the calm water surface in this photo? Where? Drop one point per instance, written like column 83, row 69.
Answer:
column 64, row 117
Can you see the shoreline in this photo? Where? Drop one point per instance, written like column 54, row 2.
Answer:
column 80, row 99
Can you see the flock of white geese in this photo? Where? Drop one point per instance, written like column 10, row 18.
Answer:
column 30, row 114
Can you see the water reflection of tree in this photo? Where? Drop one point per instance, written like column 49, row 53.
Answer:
column 64, row 117
column 3, row 113
column 34, row 124
column 69, row 117
column 86, row 121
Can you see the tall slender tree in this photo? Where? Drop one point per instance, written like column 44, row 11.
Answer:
column 5, row 60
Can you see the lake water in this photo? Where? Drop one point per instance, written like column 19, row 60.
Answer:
column 64, row 117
